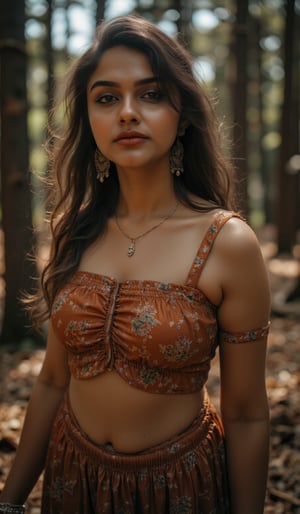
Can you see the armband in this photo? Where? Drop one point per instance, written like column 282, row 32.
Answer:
column 246, row 336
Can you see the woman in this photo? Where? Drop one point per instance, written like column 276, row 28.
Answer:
column 150, row 270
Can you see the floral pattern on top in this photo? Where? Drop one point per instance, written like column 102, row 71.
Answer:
column 145, row 320
column 160, row 337
column 178, row 352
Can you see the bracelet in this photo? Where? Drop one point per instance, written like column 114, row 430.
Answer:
column 11, row 508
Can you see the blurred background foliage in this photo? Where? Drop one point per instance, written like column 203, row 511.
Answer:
column 246, row 52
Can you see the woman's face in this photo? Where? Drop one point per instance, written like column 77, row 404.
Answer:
column 133, row 122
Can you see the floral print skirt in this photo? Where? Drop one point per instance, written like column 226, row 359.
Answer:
column 185, row 475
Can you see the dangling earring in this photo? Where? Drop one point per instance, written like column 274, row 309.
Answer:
column 176, row 158
column 102, row 165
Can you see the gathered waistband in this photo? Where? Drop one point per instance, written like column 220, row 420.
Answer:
column 163, row 453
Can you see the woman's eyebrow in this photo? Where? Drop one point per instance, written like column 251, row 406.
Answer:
column 111, row 83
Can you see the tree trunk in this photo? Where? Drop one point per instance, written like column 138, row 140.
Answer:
column 288, row 190
column 15, row 183
column 240, row 53
column 184, row 7
column 49, row 58
column 100, row 10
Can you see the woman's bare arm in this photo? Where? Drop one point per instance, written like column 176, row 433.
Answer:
column 244, row 405
column 46, row 396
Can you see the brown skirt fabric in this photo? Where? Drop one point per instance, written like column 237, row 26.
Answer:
column 185, row 475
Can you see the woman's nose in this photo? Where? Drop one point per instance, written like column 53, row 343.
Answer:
column 129, row 112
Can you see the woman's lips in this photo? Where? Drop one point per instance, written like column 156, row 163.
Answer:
column 130, row 138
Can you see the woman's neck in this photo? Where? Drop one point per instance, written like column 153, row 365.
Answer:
column 145, row 196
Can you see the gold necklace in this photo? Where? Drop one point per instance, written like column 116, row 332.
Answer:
column 133, row 240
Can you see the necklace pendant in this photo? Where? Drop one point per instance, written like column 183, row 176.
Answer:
column 131, row 249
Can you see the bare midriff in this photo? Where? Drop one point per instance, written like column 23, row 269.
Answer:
column 112, row 412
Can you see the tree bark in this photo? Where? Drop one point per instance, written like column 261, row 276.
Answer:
column 15, row 179
column 184, row 7
column 100, row 10
column 288, row 184
column 240, row 56
column 49, row 58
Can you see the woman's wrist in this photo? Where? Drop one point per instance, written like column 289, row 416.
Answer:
column 11, row 508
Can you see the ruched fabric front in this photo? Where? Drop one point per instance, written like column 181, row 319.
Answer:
column 185, row 475
column 159, row 337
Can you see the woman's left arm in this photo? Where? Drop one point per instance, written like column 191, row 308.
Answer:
column 244, row 405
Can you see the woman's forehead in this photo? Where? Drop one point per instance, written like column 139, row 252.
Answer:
column 121, row 61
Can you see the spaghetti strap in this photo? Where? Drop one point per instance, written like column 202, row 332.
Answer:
column 206, row 245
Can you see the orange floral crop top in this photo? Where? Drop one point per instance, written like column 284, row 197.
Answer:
column 159, row 337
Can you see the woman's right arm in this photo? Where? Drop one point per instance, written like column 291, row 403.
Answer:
column 45, row 398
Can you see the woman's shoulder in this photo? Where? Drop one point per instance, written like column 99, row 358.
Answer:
column 237, row 243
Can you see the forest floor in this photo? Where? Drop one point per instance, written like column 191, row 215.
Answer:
column 19, row 369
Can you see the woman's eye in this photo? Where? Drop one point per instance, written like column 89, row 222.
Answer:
column 106, row 99
column 153, row 94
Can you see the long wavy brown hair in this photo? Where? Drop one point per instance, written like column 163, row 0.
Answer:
column 81, row 205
